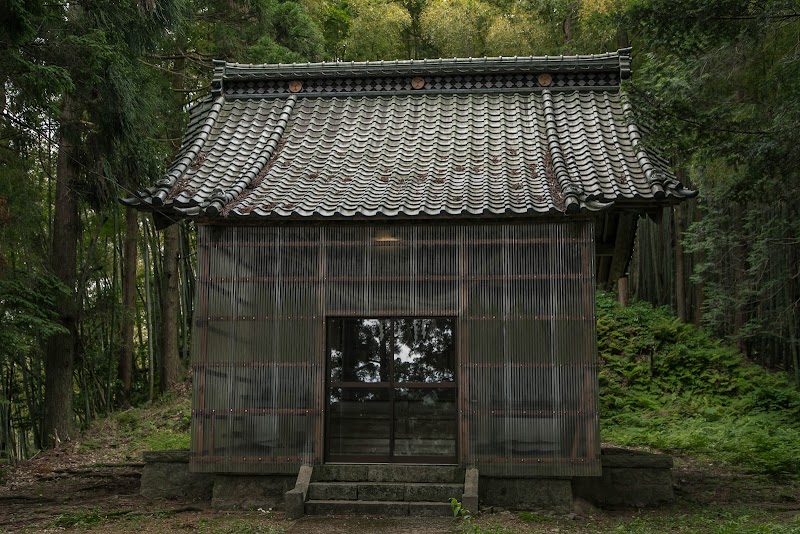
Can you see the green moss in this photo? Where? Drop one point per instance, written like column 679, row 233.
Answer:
column 530, row 517
column 128, row 420
column 166, row 439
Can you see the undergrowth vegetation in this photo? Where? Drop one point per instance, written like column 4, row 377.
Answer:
column 123, row 436
column 669, row 385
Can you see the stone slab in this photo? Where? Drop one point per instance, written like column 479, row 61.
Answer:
column 379, row 508
column 433, row 492
column 469, row 499
column 295, row 503
column 626, row 487
column 172, row 480
column 373, row 491
column 415, row 473
column 527, row 493
column 340, row 473
column 295, row 499
column 338, row 491
column 174, row 456
column 246, row 492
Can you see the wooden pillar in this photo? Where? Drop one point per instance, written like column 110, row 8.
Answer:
column 624, row 293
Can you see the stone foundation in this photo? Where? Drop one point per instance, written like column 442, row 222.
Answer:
column 526, row 493
column 629, row 479
column 251, row 492
column 166, row 476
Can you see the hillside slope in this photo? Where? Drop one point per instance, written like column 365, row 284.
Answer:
column 670, row 386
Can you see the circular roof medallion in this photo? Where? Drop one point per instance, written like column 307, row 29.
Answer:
column 544, row 79
column 295, row 86
column 417, row 82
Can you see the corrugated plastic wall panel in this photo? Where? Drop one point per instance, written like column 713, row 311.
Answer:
column 522, row 294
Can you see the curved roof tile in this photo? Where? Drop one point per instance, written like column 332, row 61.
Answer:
column 484, row 138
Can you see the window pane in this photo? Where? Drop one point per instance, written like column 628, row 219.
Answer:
column 360, row 421
column 359, row 350
column 424, row 350
column 425, row 422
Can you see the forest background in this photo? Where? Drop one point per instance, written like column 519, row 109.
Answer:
column 96, row 305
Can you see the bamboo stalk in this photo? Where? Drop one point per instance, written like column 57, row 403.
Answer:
column 148, row 313
column 111, row 345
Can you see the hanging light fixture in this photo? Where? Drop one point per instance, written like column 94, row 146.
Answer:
column 384, row 237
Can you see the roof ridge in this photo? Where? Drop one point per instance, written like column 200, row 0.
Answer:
column 619, row 61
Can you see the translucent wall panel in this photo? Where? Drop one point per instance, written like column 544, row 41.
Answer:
column 528, row 353
column 521, row 295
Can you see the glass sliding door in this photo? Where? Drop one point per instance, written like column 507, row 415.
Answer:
column 391, row 390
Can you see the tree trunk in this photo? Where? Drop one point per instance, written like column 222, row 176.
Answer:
column 623, row 293
column 59, row 360
column 148, row 306
column 128, row 305
column 699, row 295
column 680, row 268
column 740, row 277
column 170, row 358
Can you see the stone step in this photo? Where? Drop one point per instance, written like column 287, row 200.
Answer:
column 385, row 491
column 445, row 474
column 378, row 508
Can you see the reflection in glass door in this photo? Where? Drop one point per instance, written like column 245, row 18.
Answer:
column 391, row 390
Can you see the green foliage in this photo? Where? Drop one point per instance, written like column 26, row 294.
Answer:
column 166, row 439
column 260, row 31
column 459, row 512
column 163, row 427
column 27, row 310
column 717, row 82
column 376, row 30
column 669, row 385
column 127, row 421
column 457, row 28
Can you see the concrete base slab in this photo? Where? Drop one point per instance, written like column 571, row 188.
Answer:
column 630, row 479
column 245, row 492
column 166, row 475
column 527, row 493
column 378, row 508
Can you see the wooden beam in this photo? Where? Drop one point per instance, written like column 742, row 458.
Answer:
column 623, row 247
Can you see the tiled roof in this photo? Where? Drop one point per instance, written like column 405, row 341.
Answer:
column 487, row 137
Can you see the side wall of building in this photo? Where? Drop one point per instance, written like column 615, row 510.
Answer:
column 522, row 295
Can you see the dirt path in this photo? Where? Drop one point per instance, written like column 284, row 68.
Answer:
column 58, row 493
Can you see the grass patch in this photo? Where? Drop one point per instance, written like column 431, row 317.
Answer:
column 95, row 518
column 89, row 445
column 669, row 385
column 530, row 517
column 164, row 440
column 707, row 521
column 239, row 526
column 123, row 436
